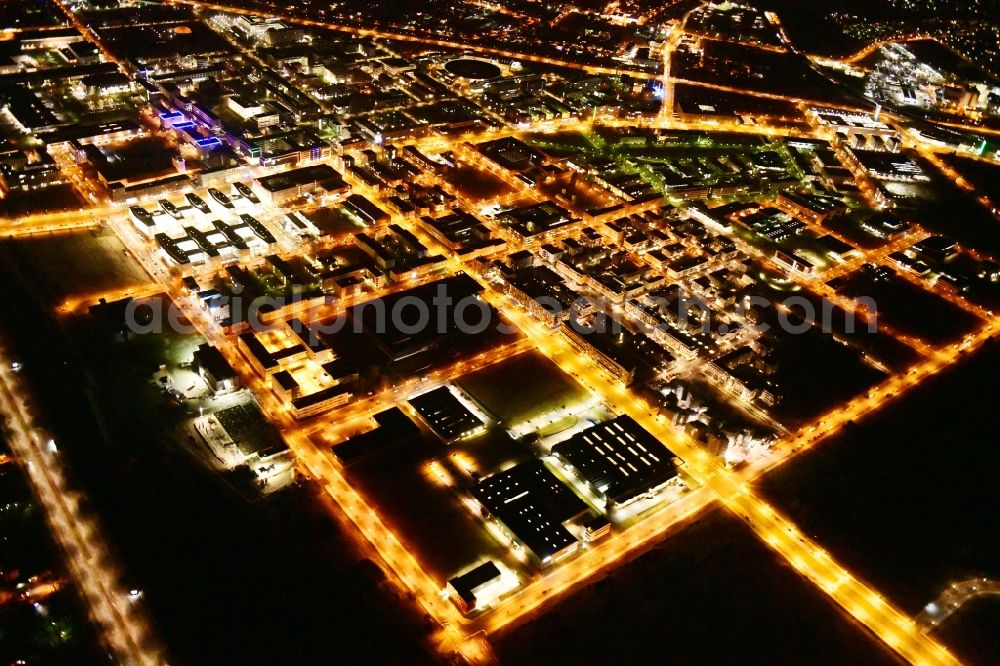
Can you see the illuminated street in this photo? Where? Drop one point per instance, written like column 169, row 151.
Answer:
column 122, row 620
column 278, row 184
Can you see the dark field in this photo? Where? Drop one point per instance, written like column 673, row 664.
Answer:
column 58, row 631
column 972, row 631
column 912, row 310
column 523, row 388
column 476, row 184
column 954, row 213
column 907, row 497
column 710, row 594
column 52, row 199
column 225, row 581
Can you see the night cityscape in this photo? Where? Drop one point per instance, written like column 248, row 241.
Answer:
column 479, row 332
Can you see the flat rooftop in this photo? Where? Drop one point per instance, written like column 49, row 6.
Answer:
column 214, row 362
column 445, row 414
column 251, row 432
column 466, row 584
column 393, row 428
column 394, row 336
column 321, row 175
column 619, row 458
column 533, row 504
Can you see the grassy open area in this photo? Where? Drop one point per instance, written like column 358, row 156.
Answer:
column 950, row 211
column 561, row 144
column 477, row 184
column 87, row 262
column 906, row 497
column 52, row 199
column 523, row 388
column 710, row 594
column 913, row 310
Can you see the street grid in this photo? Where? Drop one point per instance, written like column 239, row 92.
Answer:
column 712, row 482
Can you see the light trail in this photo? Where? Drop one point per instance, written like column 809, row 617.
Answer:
column 78, row 303
column 669, row 47
column 36, row 592
column 960, row 181
column 408, row 37
column 865, row 605
column 876, row 45
column 713, row 482
column 889, row 624
column 38, row 225
column 120, row 619
column 976, row 129
column 953, row 598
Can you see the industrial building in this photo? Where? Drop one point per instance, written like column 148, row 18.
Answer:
column 619, row 460
column 445, row 414
column 213, row 367
column 534, row 506
column 479, row 587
